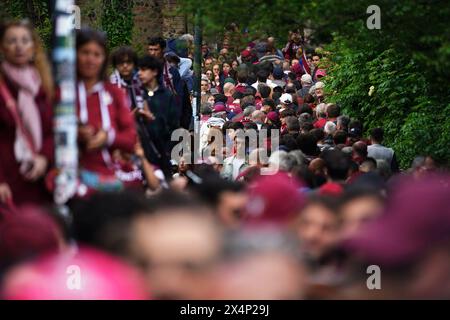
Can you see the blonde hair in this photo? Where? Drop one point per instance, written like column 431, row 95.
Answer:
column 40, row 61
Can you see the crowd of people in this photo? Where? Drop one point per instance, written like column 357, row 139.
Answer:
column 283, row 197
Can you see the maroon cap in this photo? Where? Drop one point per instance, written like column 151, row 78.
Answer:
column 417, row 218
column 272, row 116
column 274, row 199
column 219, row 107
column 246, row 53
column 27, row 233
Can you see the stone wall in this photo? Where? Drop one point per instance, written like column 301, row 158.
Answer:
column 151, row 18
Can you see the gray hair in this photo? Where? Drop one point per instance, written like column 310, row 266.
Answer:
column 248, row 111
column 282, row 160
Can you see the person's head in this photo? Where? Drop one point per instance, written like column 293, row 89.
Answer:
column 368, row 165
column 20, row 45
column 342, row 123
column 260, row 264
column 206, row 108
column 91, row 54
column 286, row 113
column 359, row 149
column 258, row 116
column 294, row 62
column 307, row 143
column 216, row 69
column 262, row 76
column 228, row 89
column 226, row 67
column 318, row 89
column 358, row 207
column 125, row 61
column 264, row 90
column 149, row 69
column 292, row 124
column 226, row 198
column 306, row 80
column 376, row 135
column 318, row 134
column 333, row 111
column 316, row 59
column 321, row 110
column 329, row 128
column 205, row 85
column 156, row 47
column 235, row 65
column 340, row 137
column 247, row 101
column 177, row 267
column 318, row 227
column 242, row 76
column 355, row 129
column 337, row 164
column 268, row 105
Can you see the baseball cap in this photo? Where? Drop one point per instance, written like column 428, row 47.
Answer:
column 273, row 199
column 306, row 78
column 286, row 98
column 219, row 107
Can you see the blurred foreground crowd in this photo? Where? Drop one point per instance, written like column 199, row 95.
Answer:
column 328, row 215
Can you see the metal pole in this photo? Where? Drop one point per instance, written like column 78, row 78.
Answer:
column 198, row 77
column 65, row 118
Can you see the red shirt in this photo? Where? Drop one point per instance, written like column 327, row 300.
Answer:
column 122, row 126
column 24, row 191
column 320, row 123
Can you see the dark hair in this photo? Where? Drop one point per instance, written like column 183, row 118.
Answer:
column 262, row 75
column 236, row 125
column 288, row 140
column 269, row 102
column 290, row 88
column 250, row 91
column 318, row 134
column 337, row 164
column 333, row 111
column 377, row 134
column 340, row 137
column 242, row 76
column 360, row 148
column 355, row 128
column 306, row 126
column 103, row 220
column 264, row 90
column 86, row 35
column 309, row 98
column 154, row 41
column 250, row 125
column 304, row 108
column 149, row 62
column 238, row 95
column 307, row 144
column 292, row 123
column 287, row 113
column 291, row 76
column 220, row 98
column 278, row 89
column 123, row 54
column 276, row 95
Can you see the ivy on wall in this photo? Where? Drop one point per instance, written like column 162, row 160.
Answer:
column 115, row 17
column 117, row 22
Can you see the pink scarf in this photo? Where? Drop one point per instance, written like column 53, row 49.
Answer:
column 28, row 82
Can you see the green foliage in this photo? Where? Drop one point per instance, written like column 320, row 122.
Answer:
column 117, row 22
column 37, row 11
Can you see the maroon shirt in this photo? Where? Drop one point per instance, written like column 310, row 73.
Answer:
column 24, row 191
